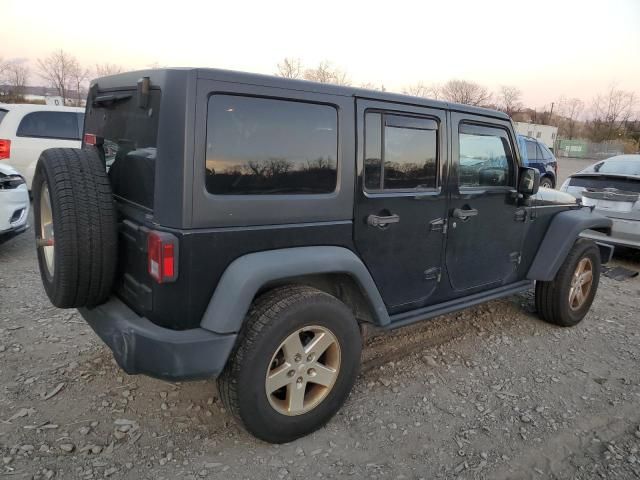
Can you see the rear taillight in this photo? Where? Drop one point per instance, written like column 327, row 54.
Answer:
column 90, row 139
column 162, row 254
column 5, row 149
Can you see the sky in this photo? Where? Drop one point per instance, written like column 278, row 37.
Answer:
column 547, row 48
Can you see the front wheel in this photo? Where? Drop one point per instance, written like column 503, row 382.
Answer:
column 297, row 358
column 567, row 298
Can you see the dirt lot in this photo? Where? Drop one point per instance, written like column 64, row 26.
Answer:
column 492, row 392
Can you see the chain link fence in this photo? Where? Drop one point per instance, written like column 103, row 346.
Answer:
column 587, row 149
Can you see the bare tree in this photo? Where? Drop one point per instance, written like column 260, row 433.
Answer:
column 3, row 66
column 422, row 90
column 79, row 77
column 509, row 99
column 373, row 86
column 570, row 110
column 462, row 91
column 326, row 73
column 58, row 70
column 611, row 113
column 106, row 69
column 16, row 74
column 290, row 68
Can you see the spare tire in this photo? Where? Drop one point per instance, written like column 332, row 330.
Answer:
column 75, row 226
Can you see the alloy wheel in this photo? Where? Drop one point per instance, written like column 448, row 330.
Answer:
column 303, row 370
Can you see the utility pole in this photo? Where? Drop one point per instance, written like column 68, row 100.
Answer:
column 551, row 113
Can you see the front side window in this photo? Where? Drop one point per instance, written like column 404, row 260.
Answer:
column 401, row 152
column 261, row 146
column 486, row 158
column 57, row 125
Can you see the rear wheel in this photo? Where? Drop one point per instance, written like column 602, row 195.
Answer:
column 546, row 182
column 296, row 361
column 75, row 230
column 567, row 298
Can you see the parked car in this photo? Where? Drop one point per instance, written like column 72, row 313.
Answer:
column 26, row 130
column 535, row 154
column 249, row 225
column 14, row 203
column 612, row 187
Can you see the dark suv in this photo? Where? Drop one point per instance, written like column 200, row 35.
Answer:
column 536, row 155
column 244, row 227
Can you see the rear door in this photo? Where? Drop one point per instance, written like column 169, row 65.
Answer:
column 126, row 137
column 486, row 225
column 400, row 200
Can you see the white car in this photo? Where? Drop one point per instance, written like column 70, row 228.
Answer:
column 612, row 188
column 14, row 203
column 26, row 130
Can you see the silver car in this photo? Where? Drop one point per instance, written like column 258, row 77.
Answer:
column 612, row 187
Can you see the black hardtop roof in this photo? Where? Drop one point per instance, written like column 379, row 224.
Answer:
column 160, row 75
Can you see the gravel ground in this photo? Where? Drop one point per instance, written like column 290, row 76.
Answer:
column 491, row 392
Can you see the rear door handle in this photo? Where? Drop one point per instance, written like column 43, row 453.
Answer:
column 463, row 214
column 381, row 222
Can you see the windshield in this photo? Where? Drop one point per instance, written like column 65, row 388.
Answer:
column 621, row 165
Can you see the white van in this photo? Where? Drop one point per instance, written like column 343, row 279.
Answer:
column 26, row 130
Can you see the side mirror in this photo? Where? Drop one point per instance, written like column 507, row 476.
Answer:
column 528, row 181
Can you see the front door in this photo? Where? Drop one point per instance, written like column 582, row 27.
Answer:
column 400, row 200
column 486, row 225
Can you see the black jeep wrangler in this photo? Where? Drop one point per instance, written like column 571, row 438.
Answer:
column 239, row 226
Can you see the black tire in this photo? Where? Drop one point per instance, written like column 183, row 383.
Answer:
column 552, row 298
column 84, row 227
column 546, row 182
column 273, row 317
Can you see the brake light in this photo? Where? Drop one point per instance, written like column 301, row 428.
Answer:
column 5, row 149
column 162, row 256
column 90, row 139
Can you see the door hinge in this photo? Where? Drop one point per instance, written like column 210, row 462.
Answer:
column 520, row 215
column 434, row 273
column 515, row 257
column 438, row 225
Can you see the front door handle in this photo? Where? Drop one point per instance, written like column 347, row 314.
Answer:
column 381, row 222
column 463, row 214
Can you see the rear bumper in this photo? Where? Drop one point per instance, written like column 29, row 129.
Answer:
column 624, row 233
column 140, row 346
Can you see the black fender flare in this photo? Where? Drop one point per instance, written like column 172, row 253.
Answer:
column 563, row 231
column 246, row 275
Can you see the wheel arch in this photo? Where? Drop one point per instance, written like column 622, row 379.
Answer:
column 335, row 270
column 563, row 231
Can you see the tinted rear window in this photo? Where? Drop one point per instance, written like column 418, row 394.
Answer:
column 55, row 125
column 2, row 114
column 265, row 146
column 126, row 137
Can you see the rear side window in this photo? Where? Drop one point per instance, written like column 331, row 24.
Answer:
column 126, row 137
column 263, row 146
column 546, row 154
column 486, row 158
column 401, row 152
column 55, row 125
column 2, row 114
